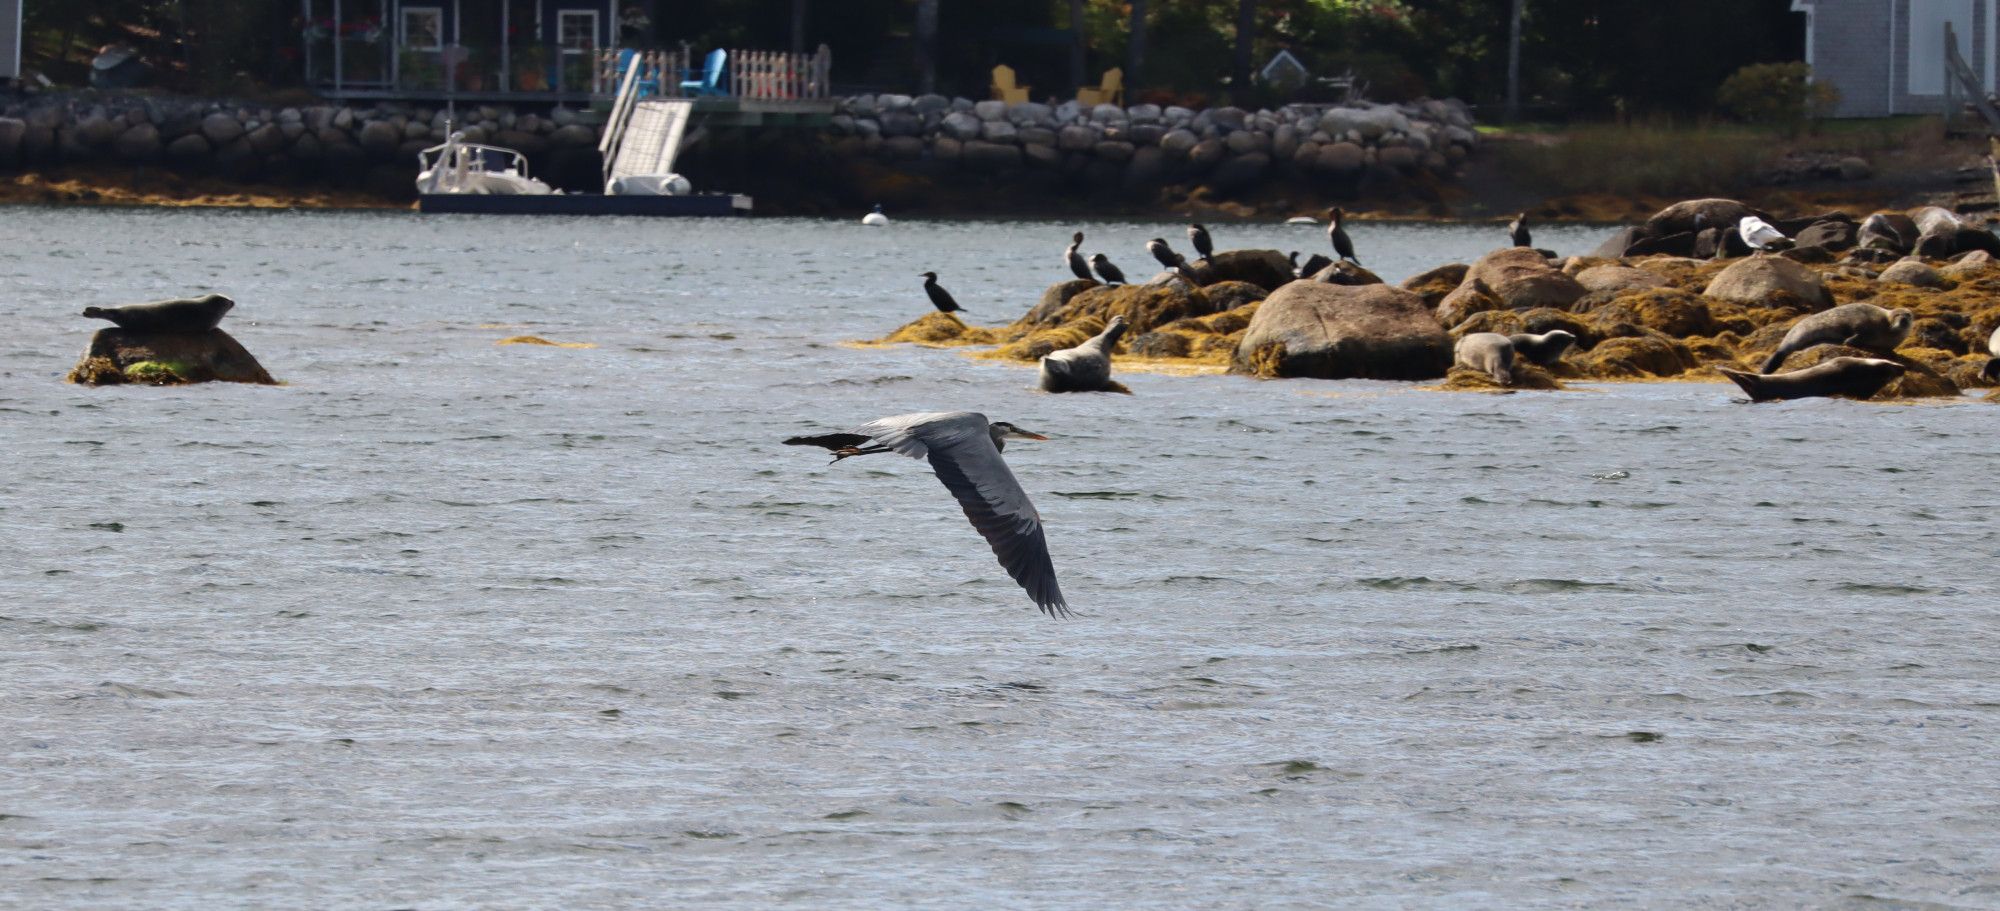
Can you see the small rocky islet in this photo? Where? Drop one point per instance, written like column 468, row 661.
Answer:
column 1654, row 303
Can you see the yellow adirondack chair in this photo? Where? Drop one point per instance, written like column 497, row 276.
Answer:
column 1110, row 91
column 1004, row 88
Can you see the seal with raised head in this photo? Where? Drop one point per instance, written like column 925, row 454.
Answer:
column 1487, row 352
column 189, row 314
column 1086, row 367
column 1544, row 349
column 1859, row 325
column 1847, row 377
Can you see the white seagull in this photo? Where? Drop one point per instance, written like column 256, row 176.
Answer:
column 1758, row 233
column 964, row 450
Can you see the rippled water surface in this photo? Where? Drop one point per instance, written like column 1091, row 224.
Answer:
column 445, row 624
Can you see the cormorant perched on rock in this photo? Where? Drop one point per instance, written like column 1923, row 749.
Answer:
column 1517, row 230
column 939, row 296
column 1203, row 247
column 1166, row 255
column 1106, row 270
column 1338, row 234
column 1075, row 259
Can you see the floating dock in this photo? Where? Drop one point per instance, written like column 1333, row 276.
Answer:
column 699, row 204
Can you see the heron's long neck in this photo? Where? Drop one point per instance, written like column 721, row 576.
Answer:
column 999, row 439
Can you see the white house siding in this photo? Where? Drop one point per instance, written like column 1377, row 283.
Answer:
column 1886, row 56
column 10, row 39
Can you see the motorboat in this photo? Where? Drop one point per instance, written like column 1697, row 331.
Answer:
column 459, row 168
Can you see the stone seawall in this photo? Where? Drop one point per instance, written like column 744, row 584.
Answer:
column 949, row 144
column 314, row 143
column 1227, row 149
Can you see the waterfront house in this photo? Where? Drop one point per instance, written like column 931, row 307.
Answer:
column 540, row 50
column 1887, row 57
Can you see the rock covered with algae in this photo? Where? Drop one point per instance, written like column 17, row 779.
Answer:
column 1641, row 318
column 117, row 356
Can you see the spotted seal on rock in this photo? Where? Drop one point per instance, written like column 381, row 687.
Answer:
column 1544, row 349
column 1859, row 325
column 1086, row 367
column 1849, row 377
column 193, row 314
column 1487, row 352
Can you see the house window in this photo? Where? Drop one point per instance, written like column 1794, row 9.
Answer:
column 576, row 29
column 423, row 28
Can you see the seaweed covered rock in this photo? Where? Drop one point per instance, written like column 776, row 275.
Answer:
column 1267, row 269
column 1326, row 331
column 1616, row 277
column 1231, row 295
column 1433, row 284
column 1526, row 376
column 1043, row 342
column 1055, row 298
column 1638, row 357
column 166, row 359
column 1919, row 379
column 1912, row 272
column 937, row 329
column 1763, row 281
column 1144, row 307
column 1467, row 299
column 1669, row 310
column 1523, row 279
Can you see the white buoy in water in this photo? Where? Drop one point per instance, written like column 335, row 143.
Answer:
column 1302, row 220
column 875, row 219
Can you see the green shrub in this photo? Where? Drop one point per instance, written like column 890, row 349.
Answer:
column 1782, row 94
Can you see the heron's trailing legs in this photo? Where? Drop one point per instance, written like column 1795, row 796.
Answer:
column 846, row 451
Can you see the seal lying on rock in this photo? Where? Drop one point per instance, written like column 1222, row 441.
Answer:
column 1992, row 369
column 1860, row 325
column 195, row 314
column 1086, row 367
column 1544, row 349
column 1850, row 377
column 1487, row 352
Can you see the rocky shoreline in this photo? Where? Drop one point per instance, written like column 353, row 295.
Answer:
column 1342, row 148
column 1636, row 314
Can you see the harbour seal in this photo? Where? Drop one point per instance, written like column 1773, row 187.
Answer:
column 1887, row 231
column 1848, row 377
column 1859, row 325
column 1487, row 352
column 1544, row 349
column 1992, row 369
column 1086, row 367
column 193, row 314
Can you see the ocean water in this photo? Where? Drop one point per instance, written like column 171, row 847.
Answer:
column 446, row 624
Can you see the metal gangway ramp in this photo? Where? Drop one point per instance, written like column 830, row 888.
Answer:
column 642, row 136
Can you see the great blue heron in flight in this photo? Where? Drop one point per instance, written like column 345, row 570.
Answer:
column 964, row 450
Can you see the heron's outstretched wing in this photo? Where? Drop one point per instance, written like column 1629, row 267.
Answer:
column 833, row 441
column 972, row 469
column 913, row 435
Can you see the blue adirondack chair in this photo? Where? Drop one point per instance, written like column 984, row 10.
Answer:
column 710, row 82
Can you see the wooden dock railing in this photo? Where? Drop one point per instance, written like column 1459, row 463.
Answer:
column 756, row 75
